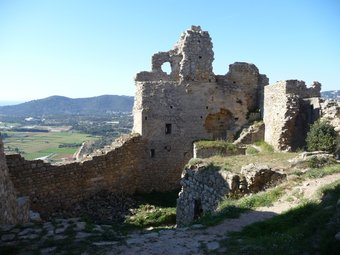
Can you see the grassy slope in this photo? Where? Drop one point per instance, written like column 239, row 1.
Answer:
column 307, row 229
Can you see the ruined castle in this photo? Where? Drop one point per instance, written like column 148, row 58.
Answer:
column 171, row 112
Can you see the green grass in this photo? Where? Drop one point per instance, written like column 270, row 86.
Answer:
column 265, row 147
column 218, row 144
column 154, row 210
column 307, row 229
column 235, row 163
column 232, row 208
column 34, row 145
column 251, row 150
column 150, row 216
column 320, row 172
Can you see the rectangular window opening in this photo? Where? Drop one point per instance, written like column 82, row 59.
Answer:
column 168, row 128
column 152, row 153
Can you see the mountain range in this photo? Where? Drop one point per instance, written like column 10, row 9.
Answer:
column 59, row 105
column 331, row 94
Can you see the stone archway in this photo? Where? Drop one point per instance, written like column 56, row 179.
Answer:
column 219, row 123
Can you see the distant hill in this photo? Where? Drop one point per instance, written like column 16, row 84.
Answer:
column 331, row 94
column 59, row 105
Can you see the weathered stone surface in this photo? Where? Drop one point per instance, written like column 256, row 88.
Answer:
column 171, row 111
column 251, row 134
column 289, row 108
column 260, row 177
column 12, row 210
column 204, row 186
column 306, row 156
column 330, row 112
column 53, row 188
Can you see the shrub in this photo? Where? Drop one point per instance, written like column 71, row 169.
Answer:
column 321, row 136
column 315, row 162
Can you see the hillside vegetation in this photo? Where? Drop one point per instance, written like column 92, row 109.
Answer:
column 58, row 105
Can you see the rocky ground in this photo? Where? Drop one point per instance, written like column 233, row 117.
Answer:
column 102, row 208
column 75, row 236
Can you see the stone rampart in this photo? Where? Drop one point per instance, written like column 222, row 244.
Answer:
column 52, row 187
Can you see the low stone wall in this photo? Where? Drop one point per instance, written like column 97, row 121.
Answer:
column 12, row 210
column 216, row 151
column 203, row 187
column 52, row 187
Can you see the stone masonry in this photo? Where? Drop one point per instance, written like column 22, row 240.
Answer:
column 191, row 103
column 289, row 108
column 54, row 187
column 12, row 210
column 204, row 186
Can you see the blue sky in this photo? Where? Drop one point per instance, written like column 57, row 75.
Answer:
column 80, row 48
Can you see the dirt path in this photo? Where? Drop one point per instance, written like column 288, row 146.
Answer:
column 184, row 241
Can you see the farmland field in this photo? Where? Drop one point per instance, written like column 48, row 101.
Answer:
column 32, row 145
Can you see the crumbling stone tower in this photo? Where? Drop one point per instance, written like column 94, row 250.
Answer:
column 191, row 103
column 289, row 108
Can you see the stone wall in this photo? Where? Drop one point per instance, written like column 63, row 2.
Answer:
column 171, row 111
column 289, row 109
column 330, row 112
column 12, row 210
column 52, row 187
column 203, row 187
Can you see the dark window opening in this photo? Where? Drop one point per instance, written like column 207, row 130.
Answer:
column 236, row 119
column 171, row 107
column 152, row 153
column 239, row 101
column 199, row 57
column 198, row 211
column 206, row 107
column 311, row 110
column 234, row 82
column 201, row 117
column 168, row 148
column 199, row 41
column 145, row 117
column 168, row 128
